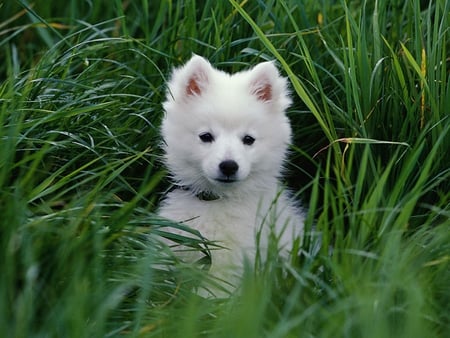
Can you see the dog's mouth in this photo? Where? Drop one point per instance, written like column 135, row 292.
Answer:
column 226, row 179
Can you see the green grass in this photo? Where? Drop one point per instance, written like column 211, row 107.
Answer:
column 81, row 177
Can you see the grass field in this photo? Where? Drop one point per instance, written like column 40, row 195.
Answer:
column 80, row 174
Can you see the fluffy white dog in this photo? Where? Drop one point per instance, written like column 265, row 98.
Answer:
column 226, row 137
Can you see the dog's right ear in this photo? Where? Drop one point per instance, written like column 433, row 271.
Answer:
column 195, row 76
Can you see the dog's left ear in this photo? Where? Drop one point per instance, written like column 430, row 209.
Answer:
column 197, row 70
column 264, row 81
column 190, row 80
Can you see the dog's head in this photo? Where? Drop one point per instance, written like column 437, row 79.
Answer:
column 222, row 130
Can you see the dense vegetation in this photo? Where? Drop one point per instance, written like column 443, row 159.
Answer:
column 80, row 173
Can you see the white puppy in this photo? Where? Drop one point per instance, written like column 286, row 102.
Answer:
column 226, row 137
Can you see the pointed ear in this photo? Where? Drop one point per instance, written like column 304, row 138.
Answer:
column 196, row 80
column 264, row 78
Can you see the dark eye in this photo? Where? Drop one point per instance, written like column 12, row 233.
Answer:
column 248, row 140
column 206, row 137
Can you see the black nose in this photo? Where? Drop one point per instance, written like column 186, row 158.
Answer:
column 228, row 167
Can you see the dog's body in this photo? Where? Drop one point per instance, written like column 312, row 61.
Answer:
column 226, row 137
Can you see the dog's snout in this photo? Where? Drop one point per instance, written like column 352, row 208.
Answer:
column 228, row 167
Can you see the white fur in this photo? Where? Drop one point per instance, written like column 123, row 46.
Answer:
column 202, row 99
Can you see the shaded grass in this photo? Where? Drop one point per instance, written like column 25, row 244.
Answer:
column 80, row 175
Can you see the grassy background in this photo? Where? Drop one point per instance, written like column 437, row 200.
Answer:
column 80, row 178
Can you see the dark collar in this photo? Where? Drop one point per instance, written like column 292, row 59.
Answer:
column 207, row 196
column 202, row 195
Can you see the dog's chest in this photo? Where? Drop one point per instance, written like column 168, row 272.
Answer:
column 232, row 223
